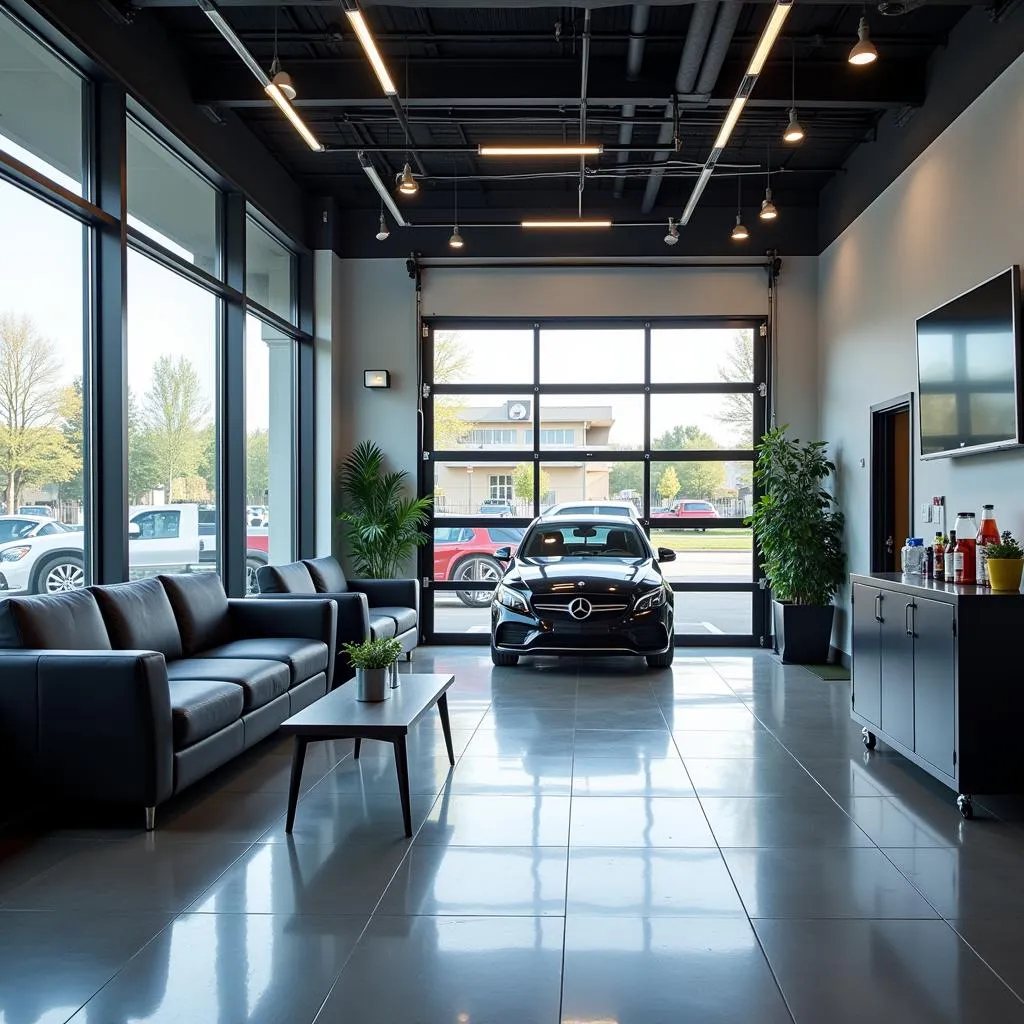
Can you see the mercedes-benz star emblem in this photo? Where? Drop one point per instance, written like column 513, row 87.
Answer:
column 581, row 584
column 580, row 608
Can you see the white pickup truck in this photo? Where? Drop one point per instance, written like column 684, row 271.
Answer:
column 42, row 556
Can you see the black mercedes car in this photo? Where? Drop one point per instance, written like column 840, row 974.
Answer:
column 583, row 585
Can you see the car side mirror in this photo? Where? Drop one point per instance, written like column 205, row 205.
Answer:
column 134, row 531
column 666, row 555
column 503, row 554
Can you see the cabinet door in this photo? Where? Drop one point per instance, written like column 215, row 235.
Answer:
column 934, row 684
column 867, row 663
column 897, row 668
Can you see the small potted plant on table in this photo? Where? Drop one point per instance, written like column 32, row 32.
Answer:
column 374, row 662
column 1005, row 563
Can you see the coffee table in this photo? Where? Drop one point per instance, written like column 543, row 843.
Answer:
column 339, row 716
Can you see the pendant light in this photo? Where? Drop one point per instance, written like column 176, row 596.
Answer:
column 739, row 231
column 456, row 241
column 673, row 232
column 768, row 209
column 794, row 132
column 382, row 230
column 864, row 51
column 278, row 77
column 407, row 184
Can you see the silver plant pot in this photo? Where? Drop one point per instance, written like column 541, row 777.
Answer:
column 373, row 684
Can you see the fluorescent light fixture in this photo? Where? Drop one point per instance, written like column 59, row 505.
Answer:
column 297, row 123
column 362, row 31
column 730, row 122
column 581, row 150
column 566, row 224
column 771, row 32
column 698, row 191
column 382, row 190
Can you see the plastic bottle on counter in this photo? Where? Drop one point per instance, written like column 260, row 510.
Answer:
column 939, row 557
column 988, row 533
column 912, row 557
column 950, row 570
column 929, row 562
column 965, row 555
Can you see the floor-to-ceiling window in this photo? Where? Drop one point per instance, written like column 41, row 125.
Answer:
column 523, row 416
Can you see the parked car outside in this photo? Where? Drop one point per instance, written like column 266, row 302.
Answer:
column 467, row 553
column 496, row 507
column 594, row 508
column 21, row 526
column 694, row 508
column 35, row 510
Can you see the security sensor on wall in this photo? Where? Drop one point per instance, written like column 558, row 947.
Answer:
column 376, row 379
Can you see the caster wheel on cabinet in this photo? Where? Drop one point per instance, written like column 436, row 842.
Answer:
column 965, row 805
column 868, row 738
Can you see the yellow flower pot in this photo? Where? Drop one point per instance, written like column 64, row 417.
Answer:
column 1005, row 573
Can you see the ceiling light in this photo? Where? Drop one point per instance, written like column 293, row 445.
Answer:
column 794, row 130
column 382, row 231
column 673, row 233
column 864, row 51
column 382, row 190
column 739, row 232
column 284, row 82
column 768, row 210
column 771, row 32
column 730, row 122
column 407, row 184
column 362, row 31
column 581, row 150
column 456, row 241
column 566, row 224
column 297, row 123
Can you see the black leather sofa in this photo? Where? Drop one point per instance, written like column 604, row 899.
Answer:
column 367, row 609
column 129, row 693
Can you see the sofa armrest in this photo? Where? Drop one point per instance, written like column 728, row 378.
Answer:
column 280, row 615
column 390, row 593
column 103, row 722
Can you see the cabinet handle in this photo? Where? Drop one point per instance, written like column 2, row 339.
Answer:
column 878, row 607
column 908, row 617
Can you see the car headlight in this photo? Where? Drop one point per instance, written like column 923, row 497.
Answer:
column 511, row 599
column 15, row 554
column 653, row 599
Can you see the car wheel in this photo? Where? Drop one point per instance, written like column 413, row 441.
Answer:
column 502, row 659
column 252, row 585
column 662, row 660
column 479, row 569
column 61, row 574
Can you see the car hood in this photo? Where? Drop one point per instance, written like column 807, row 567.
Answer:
column 565, row 574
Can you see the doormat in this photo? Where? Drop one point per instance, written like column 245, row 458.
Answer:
column 830, row 673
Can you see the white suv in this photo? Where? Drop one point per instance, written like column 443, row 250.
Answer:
column 600, row 507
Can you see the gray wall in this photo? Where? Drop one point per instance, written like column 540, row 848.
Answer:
column 954, row 218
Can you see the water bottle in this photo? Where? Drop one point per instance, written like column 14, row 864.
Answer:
column 912, row 557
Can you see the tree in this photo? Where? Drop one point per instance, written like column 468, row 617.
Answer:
column 449, row 425
column 522, row 482
column 143, row 475
column 626, row 476
column 257, row 467
column 451, row 360
column 738, row 409
column 72, row 427
column 694, row 479
column 702, row 479
column 32, row 448
column 682, row 437
column 668, row 485
column 174, row 414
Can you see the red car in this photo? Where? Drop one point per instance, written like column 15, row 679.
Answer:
column 693, row 508
column 467, row 553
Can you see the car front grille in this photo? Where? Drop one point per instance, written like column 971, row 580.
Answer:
column 558, row 605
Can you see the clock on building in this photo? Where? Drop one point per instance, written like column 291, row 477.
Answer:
column 518, row 411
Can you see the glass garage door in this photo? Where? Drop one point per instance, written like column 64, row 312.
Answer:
column 520, row 416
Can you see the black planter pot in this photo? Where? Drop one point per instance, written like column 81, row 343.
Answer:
column 803, row 632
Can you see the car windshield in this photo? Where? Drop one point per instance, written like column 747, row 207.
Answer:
column 593, row 510
column 583, row 540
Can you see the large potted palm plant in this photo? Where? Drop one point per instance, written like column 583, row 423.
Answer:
column 799, row 531
column 384, row 524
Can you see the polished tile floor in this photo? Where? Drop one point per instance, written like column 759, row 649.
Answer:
column 709, row 843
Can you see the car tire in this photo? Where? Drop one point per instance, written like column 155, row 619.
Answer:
column 503, row 659
column 252, row 586
column 60, row 574
column 663, row 660
column 480, row 569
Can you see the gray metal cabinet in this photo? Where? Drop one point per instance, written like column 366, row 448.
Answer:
column 934, row 683
column 897, row 667
column 867, row 664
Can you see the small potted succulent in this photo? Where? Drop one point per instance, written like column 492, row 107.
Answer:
column 374, row 662
column 1005, row 561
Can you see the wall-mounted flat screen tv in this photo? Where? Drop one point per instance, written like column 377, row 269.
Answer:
column 970, row 373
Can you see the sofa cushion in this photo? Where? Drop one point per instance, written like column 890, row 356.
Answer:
column 304, row 658
column 293, row 578
column 201, row 707
column 381, row 626
column 60, row 622
column 261, row 681
column 327, row 574
column 405, row 618
column 201, row 608
column 10, row 638
column 139, row 617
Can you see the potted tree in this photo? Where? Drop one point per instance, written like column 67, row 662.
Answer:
column 373, row 661
column 1005, row 563
column 799, row 531
column 384, row 524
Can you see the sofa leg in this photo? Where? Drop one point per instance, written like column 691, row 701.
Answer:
column 408, row 655
column 150, row 819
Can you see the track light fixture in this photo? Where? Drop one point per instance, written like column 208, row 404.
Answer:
column 456, row 241
column 739, row 232
column 673, row 232
column 278, row 77
column 864, row 51
column 407, row 184
column 768, row 209
column 382, row 230
column 794, row 132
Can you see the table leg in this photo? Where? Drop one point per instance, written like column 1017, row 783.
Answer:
column 402, row 765
column 358, row 744
column 446, row 728
column 298, row 759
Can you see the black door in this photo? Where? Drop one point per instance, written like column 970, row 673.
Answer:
column 934, row 684
column 867, row 655
column 897, row 649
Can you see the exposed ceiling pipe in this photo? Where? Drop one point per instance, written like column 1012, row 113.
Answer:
column 584, row 75
column 634, row 61
column 701, row 22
